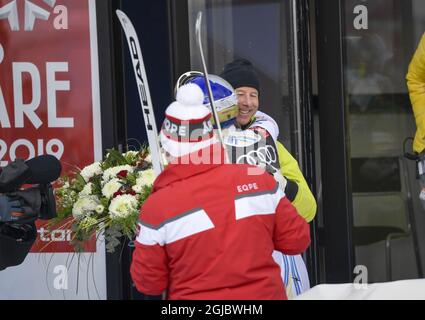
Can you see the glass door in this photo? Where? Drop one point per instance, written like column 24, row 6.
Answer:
column 386, row 217
column 273, row 35
column 260, row 31
column 372, row 218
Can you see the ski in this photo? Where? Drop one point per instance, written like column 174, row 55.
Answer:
column 207, row 81
column 143, row 88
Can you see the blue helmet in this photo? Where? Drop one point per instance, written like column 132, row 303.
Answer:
column 223, row 93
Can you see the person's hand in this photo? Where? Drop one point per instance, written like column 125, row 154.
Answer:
column 280, row 179
column 10, row 209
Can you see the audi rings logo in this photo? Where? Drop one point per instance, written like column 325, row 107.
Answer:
column 34, row 12
column 266, row 154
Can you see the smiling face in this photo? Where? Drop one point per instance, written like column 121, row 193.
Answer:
column 248, row 104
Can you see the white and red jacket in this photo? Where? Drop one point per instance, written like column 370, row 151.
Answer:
column 208, row 232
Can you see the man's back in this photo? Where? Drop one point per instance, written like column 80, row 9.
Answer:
column 208, row 232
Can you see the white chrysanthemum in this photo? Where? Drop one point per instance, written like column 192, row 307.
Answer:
column 122, row 206
column 112, row 172
column 85, row 206
column 87, row 190
column 111, row 187
column 99, row 209
column 146, row 178
column 137, row 188
column 91, row 170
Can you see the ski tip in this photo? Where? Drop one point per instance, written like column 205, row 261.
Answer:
column 120, row 14
column 199, row 18
column 124, row 19
column 198, row 23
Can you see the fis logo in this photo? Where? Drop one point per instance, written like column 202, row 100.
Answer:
column 242, row 138
column 34, row 12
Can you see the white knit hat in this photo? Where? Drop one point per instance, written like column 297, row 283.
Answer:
column 187, row 126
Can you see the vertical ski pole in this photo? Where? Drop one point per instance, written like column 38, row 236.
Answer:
column 143, row 88
column 207, row 81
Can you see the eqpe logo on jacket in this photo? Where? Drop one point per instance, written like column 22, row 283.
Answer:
column 32, row 13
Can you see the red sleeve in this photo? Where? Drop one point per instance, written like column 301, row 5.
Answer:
column 149, row 266
column 292, row 232
column 149, row 269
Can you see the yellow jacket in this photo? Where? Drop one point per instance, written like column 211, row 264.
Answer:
column 416, row 84
column 304, row 201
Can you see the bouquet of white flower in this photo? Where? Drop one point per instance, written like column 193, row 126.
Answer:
column 105, row 197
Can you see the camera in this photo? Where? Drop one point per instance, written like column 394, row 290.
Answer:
column 20, row 208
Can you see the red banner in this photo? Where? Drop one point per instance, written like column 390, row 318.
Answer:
column 46, row 93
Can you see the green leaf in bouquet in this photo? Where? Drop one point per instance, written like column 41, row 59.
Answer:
column 105, row 202
column 131, row 178
column 132, row 157
column 146, row 191
column 79, row 182
column 61, row 214
column 127, row 225
column 113, row 159
column 88, row 224
column 113, row 231
column 97, row 185
column 80, row 237
column 112, row 238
